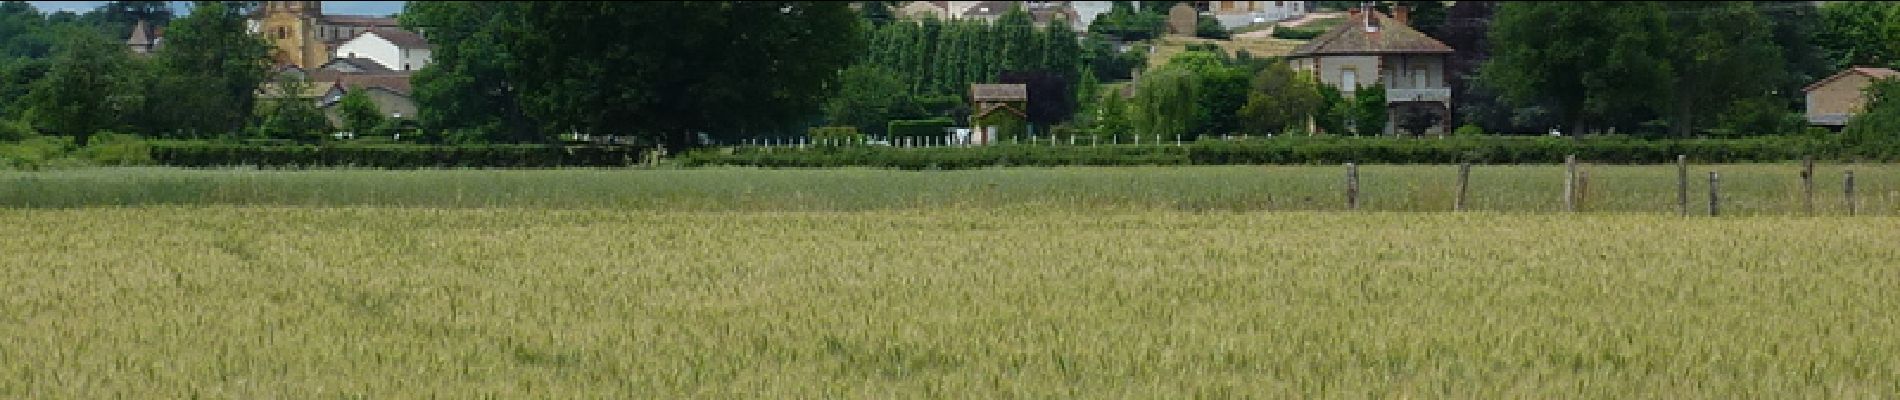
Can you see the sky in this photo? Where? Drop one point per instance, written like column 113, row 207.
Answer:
column 329, row 7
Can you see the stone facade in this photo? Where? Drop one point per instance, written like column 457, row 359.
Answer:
column 1832, row 100
column 1376, row 49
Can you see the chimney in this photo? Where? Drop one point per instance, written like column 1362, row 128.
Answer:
column 1403, row 14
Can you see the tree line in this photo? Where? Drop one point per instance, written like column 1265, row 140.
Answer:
column 685, row 73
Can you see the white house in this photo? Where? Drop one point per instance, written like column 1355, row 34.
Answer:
column 1237, row 14
column 395, row 49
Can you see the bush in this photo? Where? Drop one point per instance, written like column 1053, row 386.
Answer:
column 11, row 131
column 36, row 152
column 1296, row 33
column 1468, row 130
column 934, row 127
column 107, row 148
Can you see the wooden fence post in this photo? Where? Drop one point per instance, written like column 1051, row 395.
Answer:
column 1570, row 183
column 1715, row 184
column 1464, row 181
column 1850, row 192
column 1682, row 184
column 1352, row 186
column 1807, row 184
column 1583, row 188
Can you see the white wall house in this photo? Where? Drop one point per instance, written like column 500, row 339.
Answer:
column 397, row 50
column 1237, row 14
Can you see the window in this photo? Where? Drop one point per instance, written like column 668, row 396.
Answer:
column 1419, row 79
column 1348, row 79
column 283, row 32
column 405, row 66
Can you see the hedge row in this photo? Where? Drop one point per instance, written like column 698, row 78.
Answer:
column 1298, row 150
column 1509, row 150
column 919, row 127
column 203, row 154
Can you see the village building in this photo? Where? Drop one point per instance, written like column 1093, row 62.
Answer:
column 1372, row 48
column 1078, row 14
column 1833, row 100
column 392, row 49
column 1239, row 14
column 999, row 111
column 301, row 35
column 144, row 39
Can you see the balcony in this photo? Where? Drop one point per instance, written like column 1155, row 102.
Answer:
column 1394, row 95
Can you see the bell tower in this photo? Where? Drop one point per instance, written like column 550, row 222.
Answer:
column 291, row 29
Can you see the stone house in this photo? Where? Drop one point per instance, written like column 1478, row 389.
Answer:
column 1834, row 99
column 1372, row 48
column 1000, row 110
column 390, row 91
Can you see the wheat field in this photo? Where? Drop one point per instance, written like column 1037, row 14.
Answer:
column 1746, row 189
column 356, row 301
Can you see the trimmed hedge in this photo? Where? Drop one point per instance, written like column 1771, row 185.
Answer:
column 1509, row 150
column 919, row 127
column 395, row 156
column 1296, row 33
column 1292, row 150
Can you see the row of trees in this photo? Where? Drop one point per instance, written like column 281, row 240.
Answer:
column 924, row 69
column 1203, row 91
column 674, row 72
column 201, row 83
column 1684, row 68
column 666, row 72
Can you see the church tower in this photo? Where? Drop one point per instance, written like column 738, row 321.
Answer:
column 291, row 29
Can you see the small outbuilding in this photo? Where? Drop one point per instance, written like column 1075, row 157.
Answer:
column 1835, row 99
column 998, row 111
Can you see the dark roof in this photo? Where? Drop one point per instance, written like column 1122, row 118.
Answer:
column 367, row 65
column 1875, row 73
column 394, row 81
column 1351, row 38
column 360, row 20
column 999, row 92
column 401, row 38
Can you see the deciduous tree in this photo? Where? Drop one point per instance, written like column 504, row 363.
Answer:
column 1280, row 98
